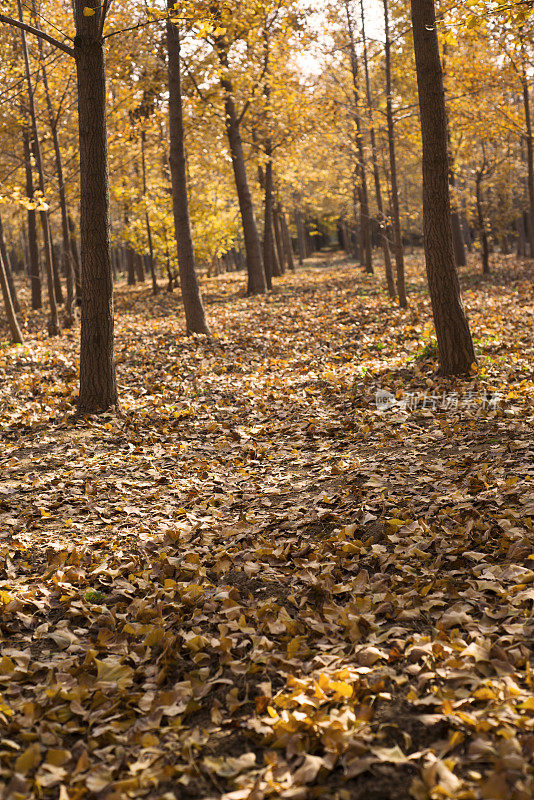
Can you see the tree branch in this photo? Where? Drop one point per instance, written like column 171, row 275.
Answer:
column 40, row 34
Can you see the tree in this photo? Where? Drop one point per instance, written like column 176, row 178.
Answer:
column 455, row 345
column 397, row 233
column 98, row 386
column 192, row 300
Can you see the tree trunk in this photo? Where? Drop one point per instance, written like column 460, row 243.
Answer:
column 457, row 238
column 288, row 247
column 33, row 250
column 53, row 323
column 58, row 289
column 195, row 317
column 301, row 241
column 530, row 161
column 140, row 267
column 98, row 387
column 14, row 329
column 378, row 189
column 365, row 217
column 75, row 256
column 279, row 239
column 8, row 271
column 151, row 265
column 455, row 346
column 397, row 233
column 67, row 258
column 484, row 245
column 256, row 274
column 268, row 241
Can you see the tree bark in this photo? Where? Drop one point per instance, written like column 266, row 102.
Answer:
column 457, row 238
column 256, row 274
column 279, row 238
column 151, row 265
column 268, row 241
column 455, row 345
column 33, row 250
column 301, row 240
column 8, row 270
column 53, row 323
column 484, row 244
column 14, row 329
column 378, row 189
column 530, row 159
column 288, row 247
column 397, row 233
column 98, row 387
column 365, row 217
column 195, row 317
column 67, row 258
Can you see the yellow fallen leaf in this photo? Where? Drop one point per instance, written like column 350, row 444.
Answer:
column 29, row 759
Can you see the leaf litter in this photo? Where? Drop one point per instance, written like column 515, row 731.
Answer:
column 252, row 582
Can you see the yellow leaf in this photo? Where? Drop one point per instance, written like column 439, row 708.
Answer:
column 88, row 12
column 29, row 759
column 114, row 672
column 341, row 688
column 528, row 705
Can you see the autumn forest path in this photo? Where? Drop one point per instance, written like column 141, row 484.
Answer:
column 252, row 582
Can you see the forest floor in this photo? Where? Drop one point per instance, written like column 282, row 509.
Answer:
column 254, row 581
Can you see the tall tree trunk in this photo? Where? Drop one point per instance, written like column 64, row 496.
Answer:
column 301, row 240
column 75, row 256
column 140, row 267
column 288, row 247
column 484, row 244
column 457, row 238
column 530, row 160
column 58, row 289
column 53, row 323
column 397, row 233
column 279, row 238
column 98, row 386
column 455, row 345
column 14, row 329
column 8, row 271
column 365, row 216
column 268, row 241
column 256, row 274
column 67, row 258
column 151, row 265
column 378, row 189
column 130, row 261
column 33, row 250
column 195, row 317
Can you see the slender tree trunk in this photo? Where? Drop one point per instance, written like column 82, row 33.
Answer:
column 484, row 244
column 14, row 329
column 455, row 346
column 67, row 258
column 58, row 289
column 194, row 310
column 278, row 238
column 151, row 265
column 139, row 267
column 256, row 274
column 53, row 324
column 397, row 233
column 33, row 250
column 378, row 189
column 365, row 216
column 288, row 247
column 8, row 271
column 457, row 238
column 530, row 160
column 75, row 256
column 268, row 242
column 301, row 240
column 130, row 260
column 98, row 386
